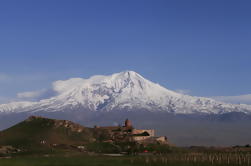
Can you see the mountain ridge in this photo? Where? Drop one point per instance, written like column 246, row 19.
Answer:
column 126, row 90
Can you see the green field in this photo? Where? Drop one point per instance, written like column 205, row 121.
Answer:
column 91, row 161
column 151, row 160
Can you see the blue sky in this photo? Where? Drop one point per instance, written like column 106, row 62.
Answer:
column 198, row 46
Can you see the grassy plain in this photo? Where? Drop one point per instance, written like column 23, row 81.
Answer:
column 191, row 158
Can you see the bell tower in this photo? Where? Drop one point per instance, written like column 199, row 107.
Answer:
column 128, row 123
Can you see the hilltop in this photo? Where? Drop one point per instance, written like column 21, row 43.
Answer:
column 37, row 134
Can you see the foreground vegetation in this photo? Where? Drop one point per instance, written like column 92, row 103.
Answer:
column 168, row 160
column 194, row 156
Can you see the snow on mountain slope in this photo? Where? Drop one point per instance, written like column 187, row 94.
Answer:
column 121, row 91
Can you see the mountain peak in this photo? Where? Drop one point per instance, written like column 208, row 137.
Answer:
column 126, row 76
column 129, row 73
column 126, row 90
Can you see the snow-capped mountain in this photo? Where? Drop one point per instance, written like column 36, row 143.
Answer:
column 121, row 91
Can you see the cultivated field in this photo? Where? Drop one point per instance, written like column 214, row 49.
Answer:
column 144, row 159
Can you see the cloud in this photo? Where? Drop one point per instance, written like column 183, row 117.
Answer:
column 183, row 91
column 36, row 95
column 57, row 88
column 242, row 99
column 30, row 94
column 61, row 86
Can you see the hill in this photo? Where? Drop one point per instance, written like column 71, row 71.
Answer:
column 42, row 135
column 38, row 132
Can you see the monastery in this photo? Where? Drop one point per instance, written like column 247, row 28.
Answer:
column 129, row 133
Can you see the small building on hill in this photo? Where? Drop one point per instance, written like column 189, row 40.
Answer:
column 129, row 133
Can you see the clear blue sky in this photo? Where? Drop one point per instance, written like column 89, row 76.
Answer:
column 203, row 46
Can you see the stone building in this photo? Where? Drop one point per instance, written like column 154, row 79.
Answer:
column 129, row 133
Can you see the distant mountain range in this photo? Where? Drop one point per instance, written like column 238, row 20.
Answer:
column 110, row 99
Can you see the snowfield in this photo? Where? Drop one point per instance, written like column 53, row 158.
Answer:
column 121, row 91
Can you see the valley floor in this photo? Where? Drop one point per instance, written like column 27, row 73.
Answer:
column 139, row 160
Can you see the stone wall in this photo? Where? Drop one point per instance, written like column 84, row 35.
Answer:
column 150, row 132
